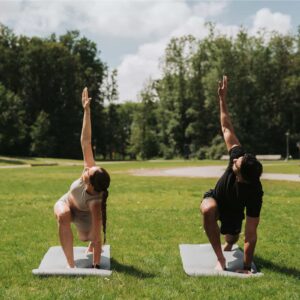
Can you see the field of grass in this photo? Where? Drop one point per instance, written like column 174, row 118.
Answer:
column 148, row 218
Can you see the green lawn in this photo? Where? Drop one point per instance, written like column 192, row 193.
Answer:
column 148, row 218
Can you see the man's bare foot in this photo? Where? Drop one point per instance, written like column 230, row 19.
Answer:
column 221, row 265
column 227, row 247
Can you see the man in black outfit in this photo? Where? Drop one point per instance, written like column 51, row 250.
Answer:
column 237, row 189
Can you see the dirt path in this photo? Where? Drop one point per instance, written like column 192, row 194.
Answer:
column 193, row 172
column 205, row 172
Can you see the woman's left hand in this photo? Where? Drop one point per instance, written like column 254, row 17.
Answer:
column 85, row 98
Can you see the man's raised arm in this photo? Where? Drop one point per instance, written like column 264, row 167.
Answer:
column 228, row 132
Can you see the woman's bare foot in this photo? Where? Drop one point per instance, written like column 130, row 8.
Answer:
column 89, row 249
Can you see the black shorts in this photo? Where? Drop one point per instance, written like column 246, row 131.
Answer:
column 230, row 225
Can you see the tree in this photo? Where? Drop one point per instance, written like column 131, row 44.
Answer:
column 48, row 76
column 144, row 141
column 12, row 126
column 42, row 143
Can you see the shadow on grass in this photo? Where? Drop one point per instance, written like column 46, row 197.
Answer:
column 130, row 270
column 263, row 263
column 12, row 161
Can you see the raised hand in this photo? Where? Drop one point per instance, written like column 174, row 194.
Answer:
column 222, row 90
column 85, row 98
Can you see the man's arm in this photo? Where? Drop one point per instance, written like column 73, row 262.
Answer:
column 86, row 133
column 250, row 240
column 228, row 132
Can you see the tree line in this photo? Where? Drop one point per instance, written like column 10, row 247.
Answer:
column 41, row 80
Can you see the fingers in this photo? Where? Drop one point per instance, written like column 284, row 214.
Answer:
column 220, row 84
column 224, row 81
column 85, row 95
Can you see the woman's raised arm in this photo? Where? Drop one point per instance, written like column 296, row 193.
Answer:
column 86, row 133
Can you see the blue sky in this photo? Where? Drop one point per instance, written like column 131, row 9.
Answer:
column 132, row 34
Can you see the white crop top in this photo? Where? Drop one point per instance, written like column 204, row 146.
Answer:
column 81, row 196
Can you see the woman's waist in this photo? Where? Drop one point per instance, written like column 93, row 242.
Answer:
column 77, row 203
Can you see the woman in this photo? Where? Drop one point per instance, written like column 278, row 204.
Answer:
column 85, row 203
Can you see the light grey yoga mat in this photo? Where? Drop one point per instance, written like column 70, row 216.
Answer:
column 55, row 263
column 200, row 260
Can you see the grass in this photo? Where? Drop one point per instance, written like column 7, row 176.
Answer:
column 148, row 218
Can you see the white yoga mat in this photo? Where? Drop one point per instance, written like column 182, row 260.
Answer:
column 200, row 260
column 55, row 263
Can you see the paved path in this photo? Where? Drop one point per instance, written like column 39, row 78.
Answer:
column 194, row 172
column 206, row 172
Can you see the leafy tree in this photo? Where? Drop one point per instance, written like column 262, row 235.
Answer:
column 48, row 75
column 12, row 126
column 42, row 143
column 144, row 142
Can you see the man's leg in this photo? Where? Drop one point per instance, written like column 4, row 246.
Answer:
column 230, row 241
column 209, row 210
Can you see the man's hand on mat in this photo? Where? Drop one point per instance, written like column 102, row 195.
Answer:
column 71, row 267
column 221, row 265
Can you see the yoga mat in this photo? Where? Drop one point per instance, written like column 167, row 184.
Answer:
column 54, row 263
column 200, row 260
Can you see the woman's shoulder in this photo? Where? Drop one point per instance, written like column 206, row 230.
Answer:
column 76, row 183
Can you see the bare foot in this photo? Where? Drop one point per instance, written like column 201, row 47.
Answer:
column 89, row 249
column 227, row 247
column 221, row 265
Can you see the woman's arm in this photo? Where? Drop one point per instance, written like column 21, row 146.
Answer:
column 86, row 133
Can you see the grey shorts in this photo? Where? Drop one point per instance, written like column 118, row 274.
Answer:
column 81, row 219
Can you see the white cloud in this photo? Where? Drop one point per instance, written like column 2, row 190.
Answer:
column 135, row 69
column 210, row 8
column 265, row 19
column 138, row 20
column 122, row 18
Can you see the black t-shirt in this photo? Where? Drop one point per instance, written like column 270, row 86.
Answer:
column 233, row 196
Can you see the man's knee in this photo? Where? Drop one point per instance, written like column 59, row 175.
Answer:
column 209, row 208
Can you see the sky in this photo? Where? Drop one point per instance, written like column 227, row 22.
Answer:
column 132, row 34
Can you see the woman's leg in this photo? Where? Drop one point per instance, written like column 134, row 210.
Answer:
column 63, row 215
column 84, row 236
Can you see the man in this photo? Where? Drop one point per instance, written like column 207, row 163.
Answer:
column 237, row 189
